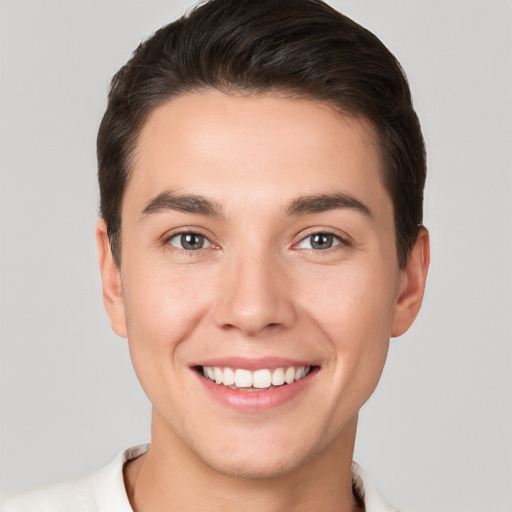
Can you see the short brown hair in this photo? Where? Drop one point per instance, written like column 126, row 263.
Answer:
column 300, row 47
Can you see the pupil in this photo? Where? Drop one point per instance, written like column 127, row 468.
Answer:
column 192, row 241
column 321, row 241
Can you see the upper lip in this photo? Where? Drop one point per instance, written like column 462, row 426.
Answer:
column 253, row 364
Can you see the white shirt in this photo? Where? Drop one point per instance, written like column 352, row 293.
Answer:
column 103, row 491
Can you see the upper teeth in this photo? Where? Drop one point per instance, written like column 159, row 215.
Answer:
column 260, row 379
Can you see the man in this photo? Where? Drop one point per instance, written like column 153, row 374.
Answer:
column 261, row 173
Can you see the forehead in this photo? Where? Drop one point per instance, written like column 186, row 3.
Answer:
column 243, row 148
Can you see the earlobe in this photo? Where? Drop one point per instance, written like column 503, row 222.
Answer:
column 111, row 281
column 412, row 285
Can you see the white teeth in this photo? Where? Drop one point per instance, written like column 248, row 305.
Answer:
column 218, row 375
column 262, row 379
column 278, row 377
column 289, row 376
column 243, row 378
column 259, row 379
column 229, row 377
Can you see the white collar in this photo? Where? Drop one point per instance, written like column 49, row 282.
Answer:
column 104, row 491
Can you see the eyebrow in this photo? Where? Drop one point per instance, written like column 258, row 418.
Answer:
column 197, row 204
column 319, row 203
column 188, row 203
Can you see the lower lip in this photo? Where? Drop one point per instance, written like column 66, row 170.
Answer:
column 256, row 401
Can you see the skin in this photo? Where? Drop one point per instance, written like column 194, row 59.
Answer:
column 257, row 288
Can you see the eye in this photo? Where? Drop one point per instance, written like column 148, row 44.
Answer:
column 319, row 241
column 190, row 241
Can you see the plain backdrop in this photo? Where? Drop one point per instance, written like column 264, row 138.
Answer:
column 437, row 434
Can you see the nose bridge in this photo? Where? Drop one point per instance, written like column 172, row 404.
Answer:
column 254, row 295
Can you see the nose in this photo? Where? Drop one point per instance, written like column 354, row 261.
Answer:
column 255, row 296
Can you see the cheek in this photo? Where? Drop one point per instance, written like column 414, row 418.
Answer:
column 356, row 319
column 160, row 300
column 358, row 300
column 162, row 310
column 161, row 314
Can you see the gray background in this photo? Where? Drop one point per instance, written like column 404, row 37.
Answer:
column 436, row 436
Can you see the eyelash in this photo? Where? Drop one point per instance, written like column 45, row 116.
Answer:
column 341, row 242
column 337, row 241
column 181, row 234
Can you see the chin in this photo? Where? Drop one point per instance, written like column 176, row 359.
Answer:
column 257, row 460
column 252, row 467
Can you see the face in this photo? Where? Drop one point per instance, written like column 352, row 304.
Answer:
column 259, row 283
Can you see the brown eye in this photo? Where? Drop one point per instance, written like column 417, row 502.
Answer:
column 190, row 241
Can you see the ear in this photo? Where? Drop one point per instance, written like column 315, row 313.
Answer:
column 111, row 281
column 412, row 285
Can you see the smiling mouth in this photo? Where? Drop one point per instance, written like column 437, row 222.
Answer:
column 258, row 380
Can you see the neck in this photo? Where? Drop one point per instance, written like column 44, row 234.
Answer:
column 171, row 477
